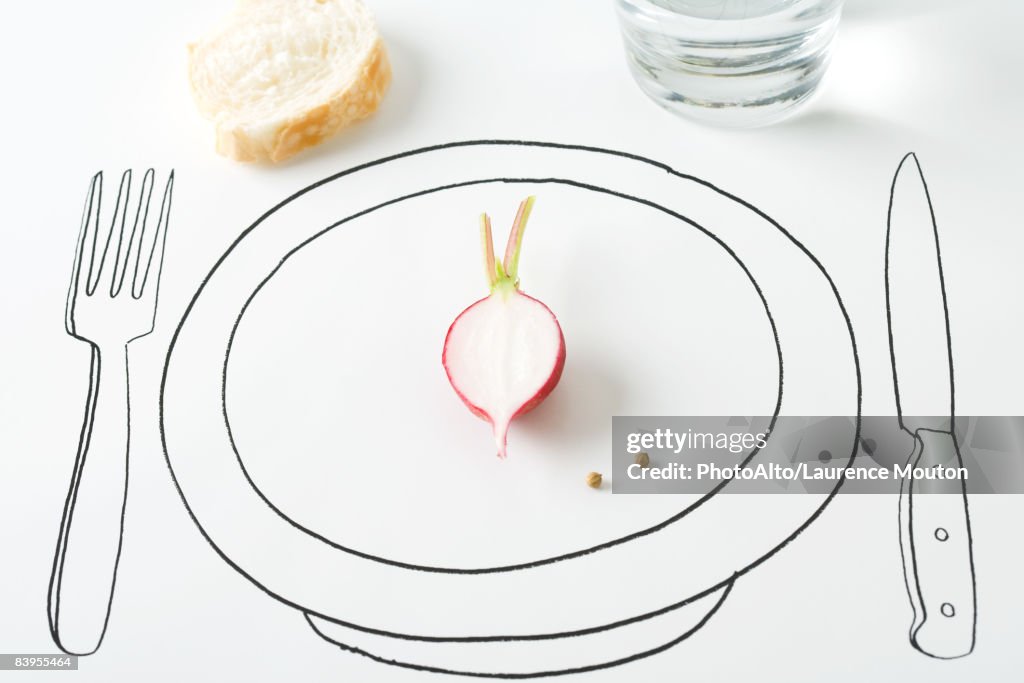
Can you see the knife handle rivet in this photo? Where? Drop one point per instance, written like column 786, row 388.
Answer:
column 941, row 534
column 947, row 610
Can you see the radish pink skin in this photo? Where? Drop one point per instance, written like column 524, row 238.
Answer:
column 539, row 396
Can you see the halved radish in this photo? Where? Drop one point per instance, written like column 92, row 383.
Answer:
column 504, row 354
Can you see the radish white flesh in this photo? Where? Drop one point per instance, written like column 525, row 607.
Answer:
column 504, row 354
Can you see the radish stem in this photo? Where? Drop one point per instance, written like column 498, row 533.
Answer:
column 515, row 239
column 488, row 244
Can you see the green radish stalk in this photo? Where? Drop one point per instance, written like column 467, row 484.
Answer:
column 504, row 354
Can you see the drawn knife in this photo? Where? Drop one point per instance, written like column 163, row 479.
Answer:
column 935, row 531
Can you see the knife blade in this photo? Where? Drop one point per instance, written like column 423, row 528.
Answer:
column 934, row 520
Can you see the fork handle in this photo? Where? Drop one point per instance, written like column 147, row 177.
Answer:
column 89, row 545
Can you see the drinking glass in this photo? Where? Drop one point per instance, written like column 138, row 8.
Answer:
column 734, row 63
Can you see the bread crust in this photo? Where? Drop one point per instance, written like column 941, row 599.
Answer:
column 356, row 101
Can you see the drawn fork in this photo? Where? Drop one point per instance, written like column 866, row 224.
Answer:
column 111, row 302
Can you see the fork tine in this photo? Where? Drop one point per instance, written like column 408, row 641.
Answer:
column 86, row 245
column 156, row 254
column 91, row 242
column 101, row 243
column 116, row 269
column 135, row 239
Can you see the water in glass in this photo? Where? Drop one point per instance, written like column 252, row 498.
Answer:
column 729, row 62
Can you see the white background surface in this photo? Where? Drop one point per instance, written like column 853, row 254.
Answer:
column 101, row 85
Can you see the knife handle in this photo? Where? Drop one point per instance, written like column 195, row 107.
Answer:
column 938, row 562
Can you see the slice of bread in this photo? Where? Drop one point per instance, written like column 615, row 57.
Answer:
column 279, row 76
